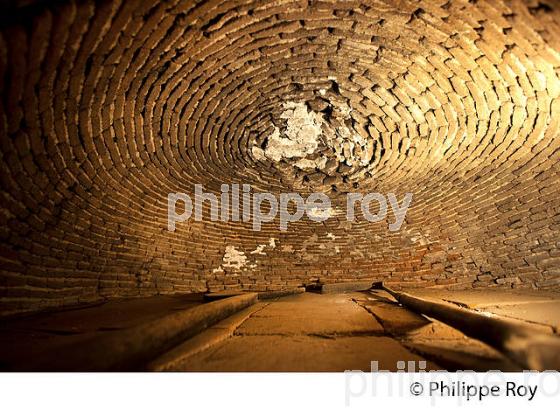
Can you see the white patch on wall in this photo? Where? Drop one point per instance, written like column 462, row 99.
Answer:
column 323, row 213
column 306, row 131
column 234, row 259
column 349, row 146
column 308, row 252
column 416, row 237
column 287, row 248
column 344, row 109
column 258, row 153
column 259, row 250
column 307, row 164
column 301, row 136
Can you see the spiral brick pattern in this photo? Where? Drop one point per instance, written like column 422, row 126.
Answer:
column 109, row 106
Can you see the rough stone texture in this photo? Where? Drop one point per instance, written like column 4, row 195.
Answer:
column 534, row 307
column 311, row 314
column 345, row 287
column 179, row 355
column 306, row 332
column 444, row 345
column 37, row 335
column 130, row 347
column 108, row 106
column 301, row 354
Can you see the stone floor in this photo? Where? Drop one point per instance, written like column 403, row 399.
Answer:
column 322, row 332
column 432, row 339
column 35, row 333
column 306, row 332
column 537, row 307
column 303, row 332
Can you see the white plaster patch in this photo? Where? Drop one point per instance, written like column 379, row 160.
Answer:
column 344, row 109
column 258, row 153
column 307, row 164
column 330, row 235
column 259, row 250
column 416, row 237
column 322, row 213
column 234, row 259
column 319, row 213
column 349, row 146
column 301, row 136
column 306, row 131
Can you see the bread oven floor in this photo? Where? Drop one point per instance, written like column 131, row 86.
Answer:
column 302, row 332
column 313, row 332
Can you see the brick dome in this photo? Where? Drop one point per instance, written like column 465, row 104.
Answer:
column 109, row 106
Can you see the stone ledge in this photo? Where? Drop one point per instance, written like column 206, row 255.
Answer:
column 176, row 357
column 271, row 294
column 341, row 287
column 127, row 350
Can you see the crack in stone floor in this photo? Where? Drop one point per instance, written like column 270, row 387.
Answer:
column 306, row 332
column 303, row 332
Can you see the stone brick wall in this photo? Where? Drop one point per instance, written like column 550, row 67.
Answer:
column 108, row 106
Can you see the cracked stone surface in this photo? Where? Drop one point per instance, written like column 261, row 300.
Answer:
column 306, row 332
column 535, row 307
column 301, row 354
column 309, row 313
column 432, row 339
column 41, row 332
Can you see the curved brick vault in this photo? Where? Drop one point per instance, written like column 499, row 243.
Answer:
column 108, row 106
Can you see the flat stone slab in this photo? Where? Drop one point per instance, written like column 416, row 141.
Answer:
column 273, row 294
column 480, row 298
column 450, row 348
column 538, row 307
column 462, row 355
column 545, row 313
column 312, row 314
column 395, row 319
column 342, row 287
column 302, row 354
column 128, row 349
column 270, row 294
column 221, row 295
column 40, row 333
column 433, row 339
column 174, row 359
